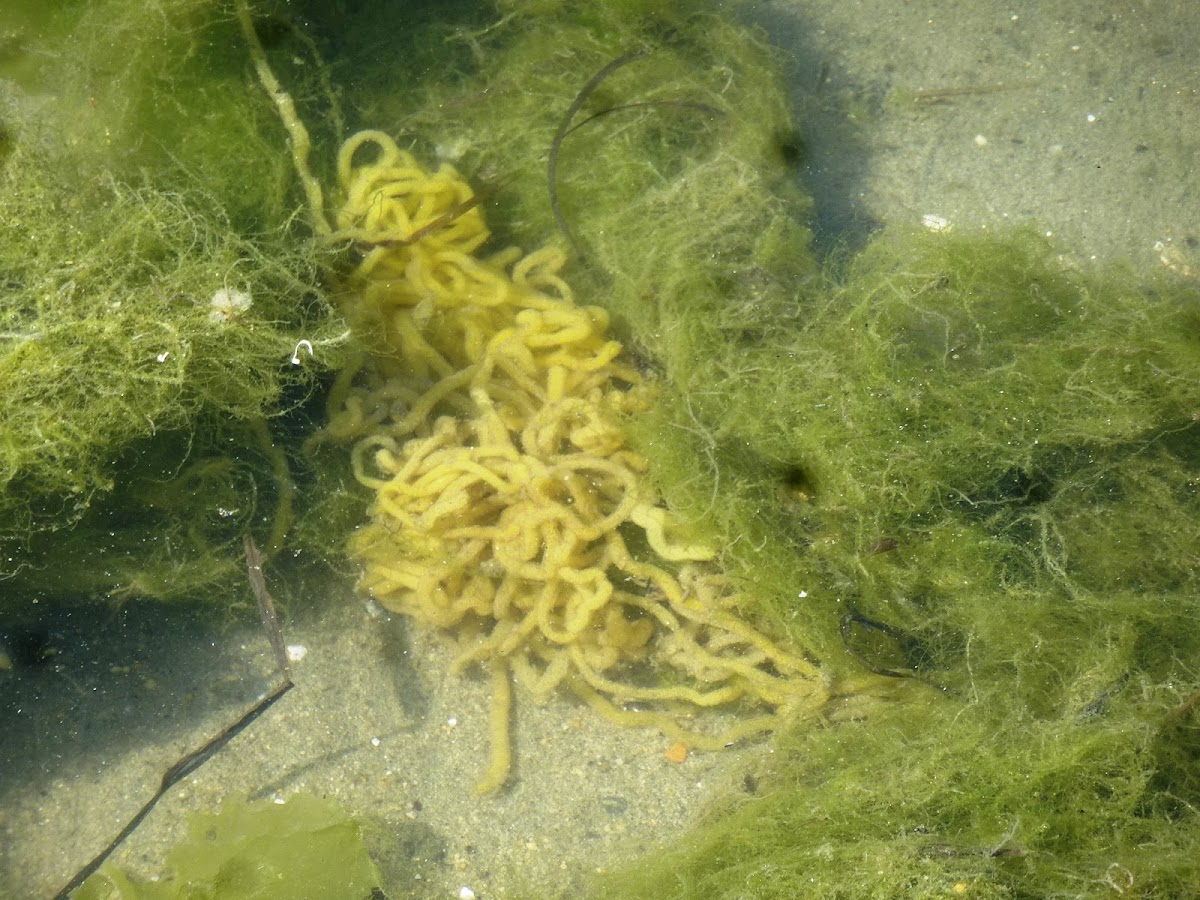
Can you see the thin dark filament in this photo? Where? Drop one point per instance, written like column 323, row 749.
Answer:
column 266, row 606
column 681, row 104
column 190, row 762
column 564, row 127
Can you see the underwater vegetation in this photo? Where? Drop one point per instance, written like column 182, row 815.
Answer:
column 135, row 282
column 306, row 847
column 1012, row 441
column 948, row 462
column 107, row 342
column 950, row 475
column 489, row 426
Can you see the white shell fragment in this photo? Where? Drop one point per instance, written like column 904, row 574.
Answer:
column 227, row 304
column 935, row 222
column 296, row 652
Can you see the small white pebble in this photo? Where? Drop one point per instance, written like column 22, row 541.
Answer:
column 465, row 893
column 452, row 722
column 935, row 223
column 1091, row 117
column 980, row 140
column 375, row 742
column 296, row 652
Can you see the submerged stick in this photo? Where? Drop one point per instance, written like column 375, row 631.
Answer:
column 266, row 606
column 190, row 762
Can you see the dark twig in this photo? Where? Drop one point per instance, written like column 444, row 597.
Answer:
column 697, row 105
column 266, row 606
column 190, row 762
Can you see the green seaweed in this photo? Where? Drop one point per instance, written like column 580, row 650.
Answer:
column 947, row 457
column 306, row 847
column 153, row 295
column 115, row 351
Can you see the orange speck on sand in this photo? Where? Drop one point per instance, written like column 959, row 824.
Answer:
column 677, row 752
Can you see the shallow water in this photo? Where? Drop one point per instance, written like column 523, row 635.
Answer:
column 1080, row 120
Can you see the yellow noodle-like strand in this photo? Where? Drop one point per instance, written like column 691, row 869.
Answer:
column 489, row 426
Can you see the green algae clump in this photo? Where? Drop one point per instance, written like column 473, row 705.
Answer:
column 306, row 847
column 963, row 466
column 152, row 299
column 978, row 473
column 962, row 474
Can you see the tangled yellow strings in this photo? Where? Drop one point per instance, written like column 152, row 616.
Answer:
column 488, row 424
